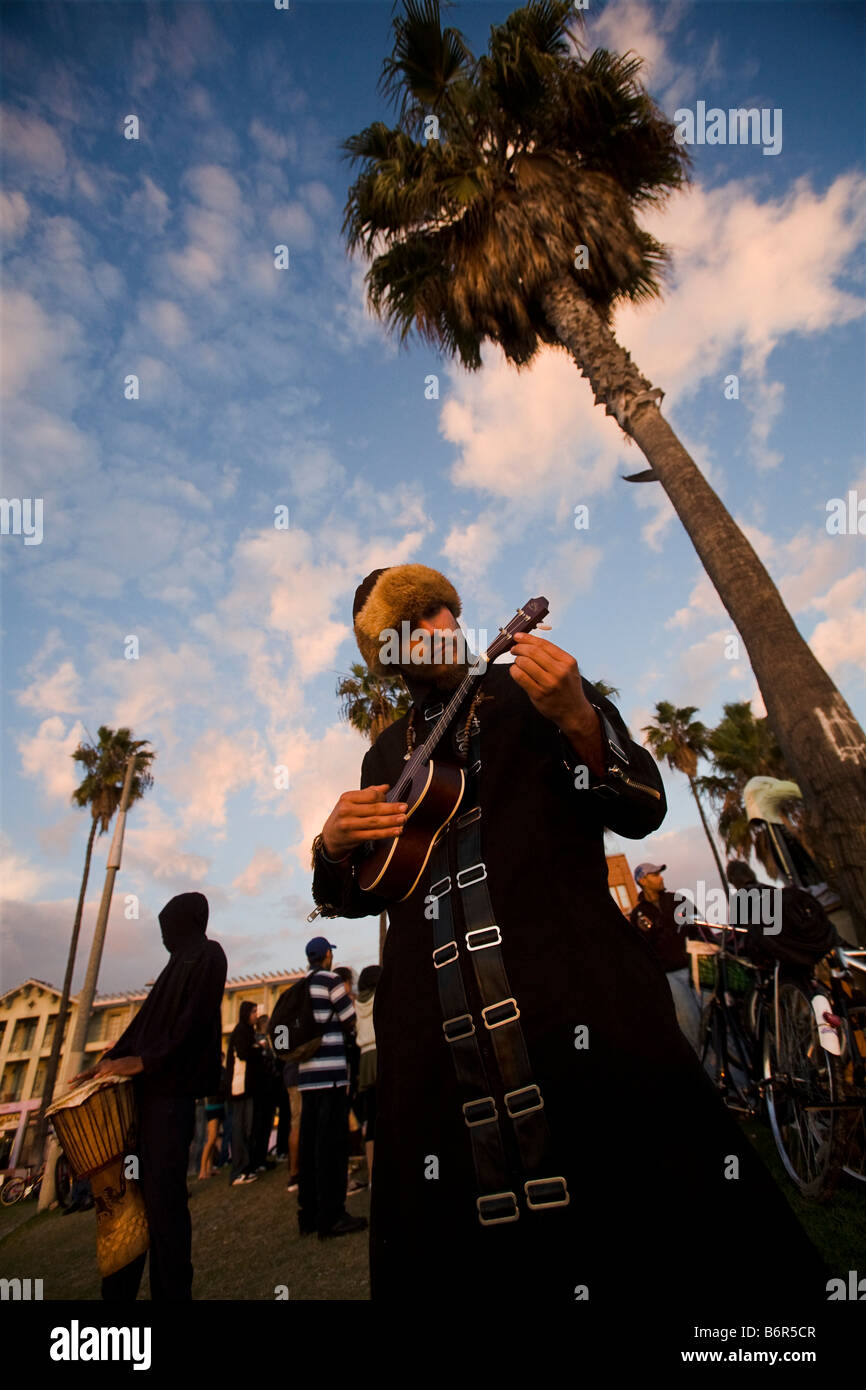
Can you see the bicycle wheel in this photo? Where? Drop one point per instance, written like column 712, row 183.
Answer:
column 12, row 1191
column 812, row 1141
column 855, row 1160
column 63, row 1181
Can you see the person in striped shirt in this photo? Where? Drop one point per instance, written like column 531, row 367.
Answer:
column 324, row 1085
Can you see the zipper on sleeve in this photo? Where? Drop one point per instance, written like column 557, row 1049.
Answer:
column 616, row 771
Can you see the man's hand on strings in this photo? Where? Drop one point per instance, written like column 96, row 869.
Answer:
column 551, row 679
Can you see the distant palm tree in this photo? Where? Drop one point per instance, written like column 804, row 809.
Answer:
column 741, row 747
column 370, row 703
column 503, row 207
column 611, row 691
column 682, row 740
column 104, row 764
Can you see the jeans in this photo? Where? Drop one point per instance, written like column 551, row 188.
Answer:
column 323, row 1158
column 687, row 1005
column 242, row 1125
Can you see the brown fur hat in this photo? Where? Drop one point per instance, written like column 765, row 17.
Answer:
column 390, row 596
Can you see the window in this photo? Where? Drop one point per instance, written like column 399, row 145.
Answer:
column 39, row 1079
column 95, row 1026
column 12, row 1082
column 48, row 1036
column 2, row 1031
column 24, row 1035
column 619, row 893
column 114, row 1025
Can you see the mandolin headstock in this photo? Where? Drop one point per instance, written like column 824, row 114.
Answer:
column 533, row 612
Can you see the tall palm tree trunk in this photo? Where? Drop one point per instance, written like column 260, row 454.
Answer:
column 822, row 743
column 708, row 833
column 57, row 1040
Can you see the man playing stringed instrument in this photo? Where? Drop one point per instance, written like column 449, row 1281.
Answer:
column 539, row 1114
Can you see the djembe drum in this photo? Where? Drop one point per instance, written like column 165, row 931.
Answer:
column 96, row 1124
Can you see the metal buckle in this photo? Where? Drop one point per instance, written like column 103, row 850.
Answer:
column 484, row 931
column 450, row 960
column 558, row 1183
column 489, row 1105
column 447, row 889
column 512, row 1016
column 524, row 1109
column 480, row 865
column 435, row 712
column 468, row 817
column 476, row 767
column 458, row 1037
column 490, row 1202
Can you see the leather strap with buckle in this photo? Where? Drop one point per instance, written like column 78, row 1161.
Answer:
column 500, row 1015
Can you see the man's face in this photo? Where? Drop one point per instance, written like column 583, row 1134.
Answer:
column 654, row 882
column 446, row 663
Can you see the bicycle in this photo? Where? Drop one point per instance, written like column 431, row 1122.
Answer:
column 796, row 1044
column 17, row 1187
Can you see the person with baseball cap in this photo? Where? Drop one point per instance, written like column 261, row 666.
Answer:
column 653, row 915
column 323, row 1082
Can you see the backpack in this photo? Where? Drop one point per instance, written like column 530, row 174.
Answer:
column 292, row 1028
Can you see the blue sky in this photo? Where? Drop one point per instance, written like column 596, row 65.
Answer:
column 261, row 388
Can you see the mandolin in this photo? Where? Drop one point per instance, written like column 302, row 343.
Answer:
column 433, row 788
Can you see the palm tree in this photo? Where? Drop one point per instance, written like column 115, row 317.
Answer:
column 741, row 747
column 603, row 688
column 370, row 703
column 104, row 764
column 681, row 740
column 503, row 207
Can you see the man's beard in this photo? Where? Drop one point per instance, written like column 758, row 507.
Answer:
column 442, row 675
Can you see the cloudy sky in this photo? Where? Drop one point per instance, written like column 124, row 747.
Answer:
column 263, row 388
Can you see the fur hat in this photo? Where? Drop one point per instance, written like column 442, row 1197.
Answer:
column 390, row 596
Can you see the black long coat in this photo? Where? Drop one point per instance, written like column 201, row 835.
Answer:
column 640, row 1133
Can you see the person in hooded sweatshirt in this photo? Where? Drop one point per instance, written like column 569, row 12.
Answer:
column 172, row 1049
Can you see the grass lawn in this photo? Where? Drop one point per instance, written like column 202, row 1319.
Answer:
column 245, row 1240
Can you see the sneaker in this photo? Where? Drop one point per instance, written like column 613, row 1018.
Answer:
column 244, row 1178
column 345, row 1226
column 261, row 1168
column 292, row 1185
column 355, row 1186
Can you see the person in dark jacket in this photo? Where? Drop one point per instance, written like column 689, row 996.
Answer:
column 653, row 914
column 563, row 1186
column 243, row 1048
column 172, row 1049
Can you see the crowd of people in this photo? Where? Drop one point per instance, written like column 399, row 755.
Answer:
column 316, row 1116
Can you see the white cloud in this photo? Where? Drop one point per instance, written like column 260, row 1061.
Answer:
column 166, row 320
column 21, row 880
column 14, row 215
column 32, row 141
column 60, row 691
column 265, row 865
column 46, row 756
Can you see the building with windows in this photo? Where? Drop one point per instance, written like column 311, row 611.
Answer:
column 623, row 888
column 28, row 1017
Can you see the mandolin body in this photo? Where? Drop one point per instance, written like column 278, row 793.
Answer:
column 395, row 865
